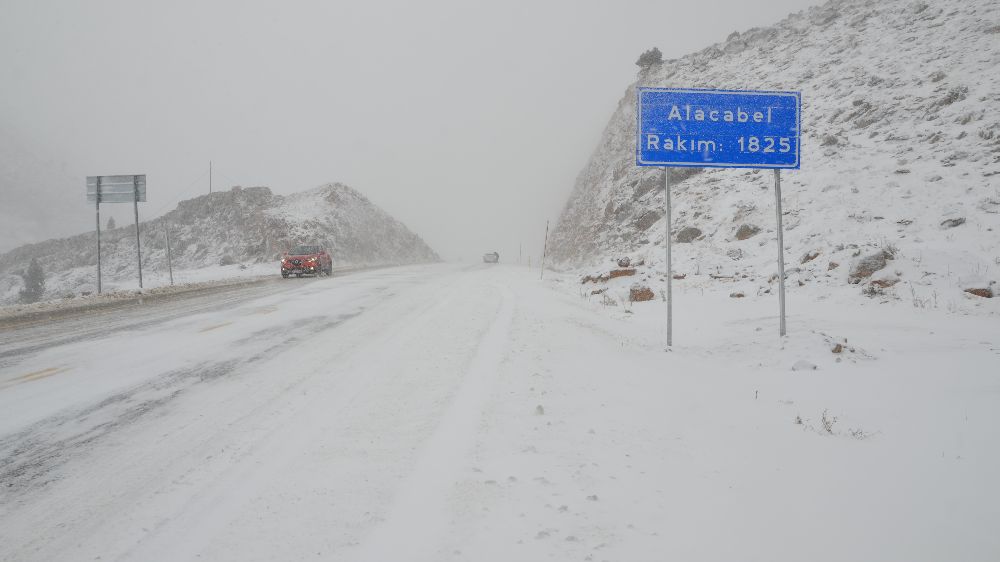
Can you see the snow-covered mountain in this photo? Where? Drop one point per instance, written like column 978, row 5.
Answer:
column 240, row 226
column 900, row 159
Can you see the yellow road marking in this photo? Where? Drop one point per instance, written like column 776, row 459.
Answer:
column 216, row 327
column 34, row 376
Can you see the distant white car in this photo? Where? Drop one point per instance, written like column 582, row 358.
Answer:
column 492, row 257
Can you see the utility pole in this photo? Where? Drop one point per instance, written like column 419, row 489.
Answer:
column 545, row 248
column 170, row 264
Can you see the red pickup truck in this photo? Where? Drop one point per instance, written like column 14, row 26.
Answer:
column 306, row 260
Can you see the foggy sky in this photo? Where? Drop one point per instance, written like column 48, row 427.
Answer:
column 468, row 121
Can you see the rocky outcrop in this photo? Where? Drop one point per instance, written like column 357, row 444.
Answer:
column 866, row 266
column 687, row 235
column 640, row 293
column 985, row 292
column 746, row 231
column 615, row 273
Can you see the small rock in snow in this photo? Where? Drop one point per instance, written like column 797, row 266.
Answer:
column 985, row 292
column 639, row 293
column 868, row 265
column 745, row 231
column 803, row 365
column 688, row 235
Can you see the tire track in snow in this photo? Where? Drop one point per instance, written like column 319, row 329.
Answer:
column 296, row 422
column 31, row 458
column 417, row 519
column 22, row 342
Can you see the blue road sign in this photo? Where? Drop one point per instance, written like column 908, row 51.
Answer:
column 717, row 128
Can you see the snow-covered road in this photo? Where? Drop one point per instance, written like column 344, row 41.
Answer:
column 22, row 335
column 474, row 413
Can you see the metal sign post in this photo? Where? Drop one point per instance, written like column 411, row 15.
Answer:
column 781, row 249
column 117, row 189
column 138, row 246
column 670, row 263
column 686, row 127
column 97, row 206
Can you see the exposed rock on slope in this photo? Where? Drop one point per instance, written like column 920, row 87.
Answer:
column 901, row 150
column 244, row 225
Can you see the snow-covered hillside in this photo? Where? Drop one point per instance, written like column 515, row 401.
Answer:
column 901, row 160
column 242, row 226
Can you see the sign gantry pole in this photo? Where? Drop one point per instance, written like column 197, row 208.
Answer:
column 97, row 205
column 670, row 266
column 781, row 249
column 135, row 205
